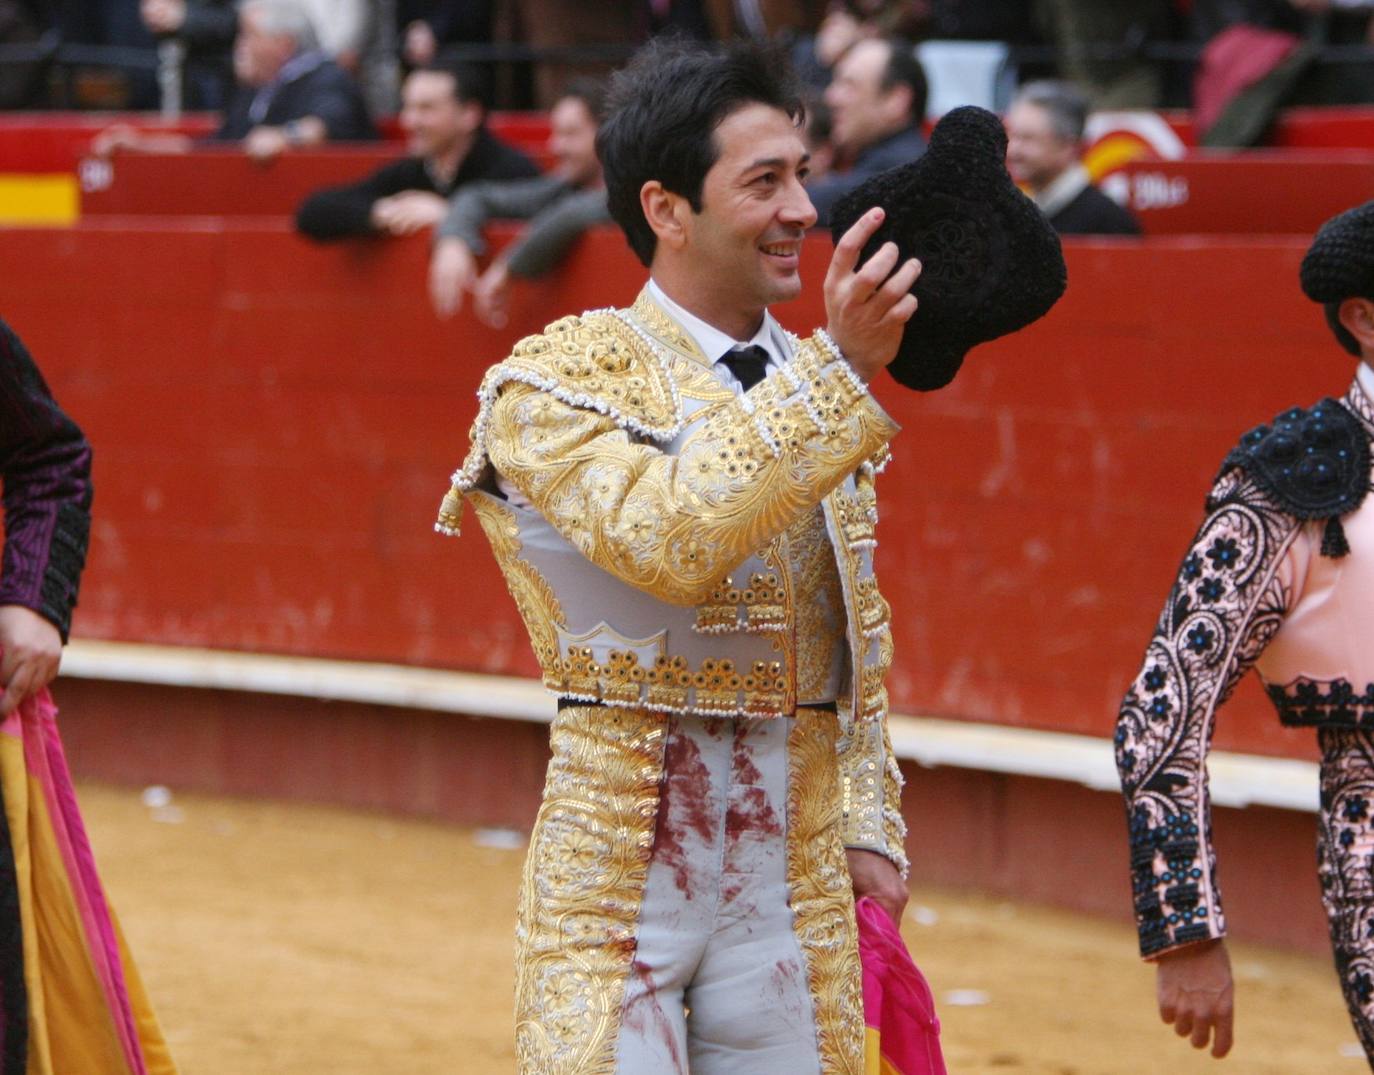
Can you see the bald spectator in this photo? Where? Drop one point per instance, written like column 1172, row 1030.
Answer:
column 289, row 93
column 559, row 206
column 1044, row 143
column 877, row 101
column 443, row 112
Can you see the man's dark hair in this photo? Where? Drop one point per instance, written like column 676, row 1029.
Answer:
column 1343, row 337
column 590, row 91
column 471, row 82
column 904, row 69
column 661, row 116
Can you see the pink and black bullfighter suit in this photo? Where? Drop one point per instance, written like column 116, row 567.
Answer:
column 1280, row 576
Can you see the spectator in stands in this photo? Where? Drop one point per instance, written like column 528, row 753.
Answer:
column 360, row 36
column 444, row 110
column 1044, row 141
column 877, row 100
column 207, row 29
column 559, row 206
column 1239, row 31
column 290, row 94
column 349, row 32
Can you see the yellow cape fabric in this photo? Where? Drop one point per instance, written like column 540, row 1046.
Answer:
column 72, row 1027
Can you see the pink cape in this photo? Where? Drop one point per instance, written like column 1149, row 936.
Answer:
column 903, row 1032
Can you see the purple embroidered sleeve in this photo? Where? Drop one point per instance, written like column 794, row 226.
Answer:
column 1228, row 602
column 45, row 464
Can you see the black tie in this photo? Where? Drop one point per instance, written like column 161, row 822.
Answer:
column 747, row 364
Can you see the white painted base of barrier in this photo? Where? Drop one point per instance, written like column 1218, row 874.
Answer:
column 1236, row 779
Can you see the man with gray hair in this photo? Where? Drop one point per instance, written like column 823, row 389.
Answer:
column 290, row 94
column 1044, row 141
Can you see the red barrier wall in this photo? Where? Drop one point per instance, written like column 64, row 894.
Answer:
column 1254, row 193
column 274, row 423
column 221, row 182
column 1258, row 192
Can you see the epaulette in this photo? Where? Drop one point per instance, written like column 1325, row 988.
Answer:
column 1313, row 462
column 597, row 361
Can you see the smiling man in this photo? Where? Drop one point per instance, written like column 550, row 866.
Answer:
column 681, row 497
column 1044, row 142
column 444, row 113
column 877, row 101
column 559, row 206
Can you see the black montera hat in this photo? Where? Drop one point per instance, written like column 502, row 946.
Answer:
column 1340, row 262
column 991, row 262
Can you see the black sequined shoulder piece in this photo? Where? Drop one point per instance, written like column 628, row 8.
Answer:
column 1314, row 462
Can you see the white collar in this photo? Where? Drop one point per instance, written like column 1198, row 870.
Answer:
column 1365, row 376
column 1067, row 186
column 715, row 344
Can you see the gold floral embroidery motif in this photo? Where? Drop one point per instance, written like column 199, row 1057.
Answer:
column 582, row 888
column 534, row 597
column 764, row 608
column 598, row 356
column 818, row 605
column 720, row 611
column 874, row 696
column 716, row 687
column 671, row 523
column 894, row 823
column 857, row 515
column 873, row 609
column 652, row 316
column 861, row 786
column 822, row 895
column 760, row 606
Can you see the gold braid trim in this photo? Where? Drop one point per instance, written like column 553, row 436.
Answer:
column 582, row 889
column 535, row 599
column 822, row 895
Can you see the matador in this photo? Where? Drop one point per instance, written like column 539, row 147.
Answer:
column 1279, row 577
column 680, row 495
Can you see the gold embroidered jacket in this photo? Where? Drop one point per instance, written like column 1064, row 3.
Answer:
column 675, row 545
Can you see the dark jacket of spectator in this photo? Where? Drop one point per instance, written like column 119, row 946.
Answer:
column 309, row 85
column 1075, row 207
column 345, row 211
column 1093, row 213
column 900, row 148
column 45, row 464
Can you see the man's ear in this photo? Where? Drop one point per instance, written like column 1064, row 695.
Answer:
column 666, row 213
column 897, row 103
column 472, row 115
column 1356, row 315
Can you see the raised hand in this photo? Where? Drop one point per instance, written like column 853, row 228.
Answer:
column 868, row 307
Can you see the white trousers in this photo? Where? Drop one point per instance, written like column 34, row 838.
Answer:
column 686, row 904
column 719, row 985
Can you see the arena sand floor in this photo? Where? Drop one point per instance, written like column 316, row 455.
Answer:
column 280, row 939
